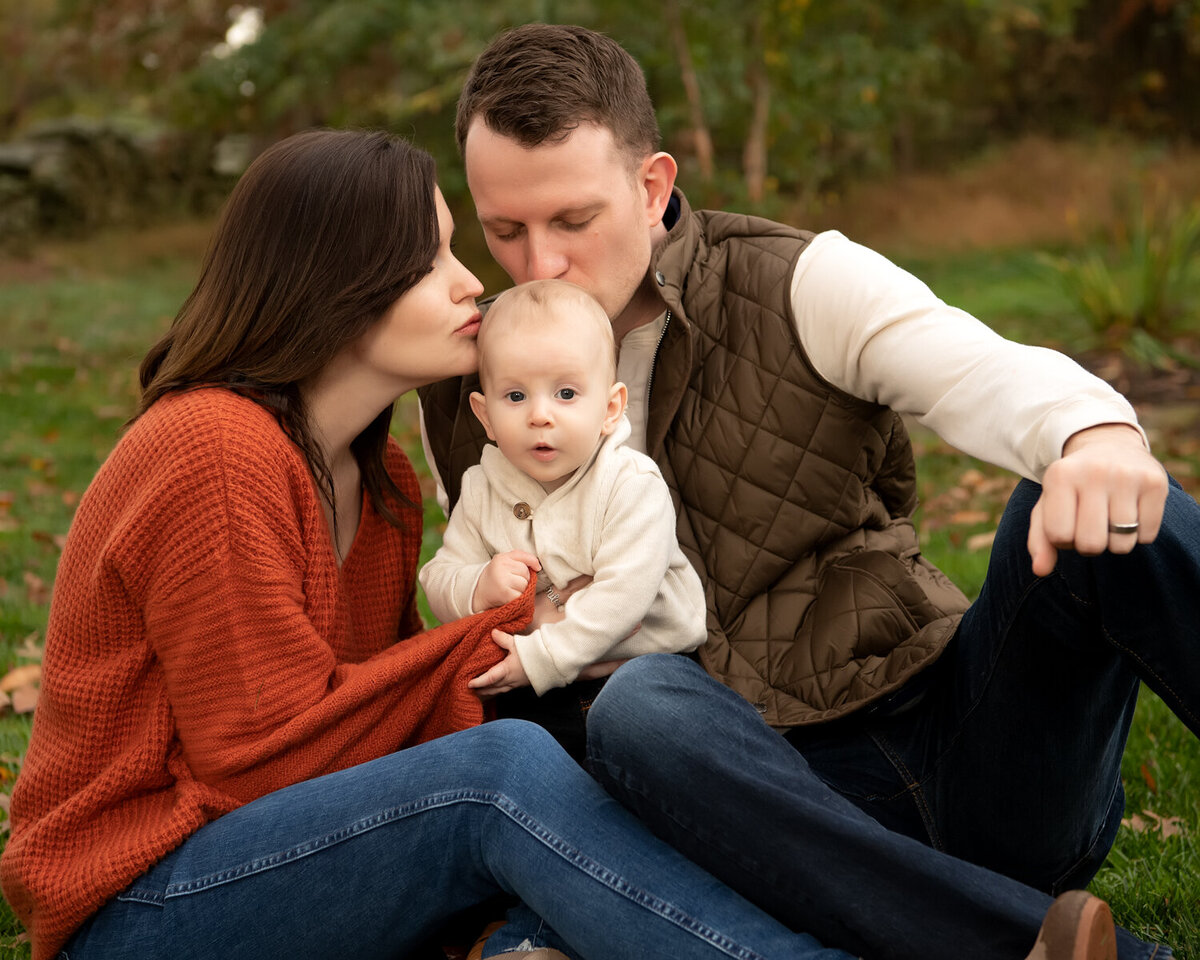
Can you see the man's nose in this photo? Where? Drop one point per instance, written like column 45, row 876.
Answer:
column 544, row 260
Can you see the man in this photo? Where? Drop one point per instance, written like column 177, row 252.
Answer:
column 767, row 367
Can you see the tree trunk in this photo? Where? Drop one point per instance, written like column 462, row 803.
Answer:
column 754, row 155
column 701, row 138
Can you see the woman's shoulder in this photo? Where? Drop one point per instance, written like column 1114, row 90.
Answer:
column 206, row 439
column 208, row 424
column 208, row 412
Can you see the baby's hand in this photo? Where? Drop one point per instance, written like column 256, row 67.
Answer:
column 507, row 675
column 503, row 579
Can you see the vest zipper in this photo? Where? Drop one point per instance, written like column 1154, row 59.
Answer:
column 654, row 362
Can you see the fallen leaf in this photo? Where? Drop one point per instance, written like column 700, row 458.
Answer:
column 967, row 517
column 1134, row 823
column 981, row 541
column 1171, row 827
column 972, row 478
column 25, row 699
column 7, row 498
column 1165, row 826
column 36, row 588
column 29, row 649
column 70, row 498
column 1151, row 783
column 22, row 676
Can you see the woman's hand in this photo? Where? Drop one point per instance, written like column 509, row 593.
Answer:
column 507, row 675
column 503, row 579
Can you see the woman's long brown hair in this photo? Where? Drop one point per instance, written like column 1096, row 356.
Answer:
column 320, row 236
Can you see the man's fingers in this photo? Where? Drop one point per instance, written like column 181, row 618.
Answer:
column 1041, row 550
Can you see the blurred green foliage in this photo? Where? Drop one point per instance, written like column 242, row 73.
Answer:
column 847, row 88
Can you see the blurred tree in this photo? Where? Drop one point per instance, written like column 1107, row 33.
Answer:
column 756, row 97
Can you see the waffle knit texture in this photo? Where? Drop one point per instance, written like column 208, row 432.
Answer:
column 204, row 649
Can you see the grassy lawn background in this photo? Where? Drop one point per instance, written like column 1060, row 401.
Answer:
column 75, row 321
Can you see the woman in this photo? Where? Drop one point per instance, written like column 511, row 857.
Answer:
column 234, row 660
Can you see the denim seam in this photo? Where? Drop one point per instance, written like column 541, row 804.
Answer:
column 297, row 852
column 504, row 805
column 1008, row 620
column 1095, row 840
column 915, row 786
column 1177, row 704
column 617, row 884
column 913, row 789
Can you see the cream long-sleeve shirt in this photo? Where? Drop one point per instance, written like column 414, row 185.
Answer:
column 877, row 332
column 614, row 521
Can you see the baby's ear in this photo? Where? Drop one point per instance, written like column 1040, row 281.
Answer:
column 479, row 408
column 618, row 397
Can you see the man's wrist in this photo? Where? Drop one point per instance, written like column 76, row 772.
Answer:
column 1104, row 433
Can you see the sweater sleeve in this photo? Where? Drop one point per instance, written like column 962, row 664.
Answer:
column 637, row 544
column 876, row 331
column 450, row 575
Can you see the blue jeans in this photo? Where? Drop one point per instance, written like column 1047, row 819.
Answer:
column 370, row 861
column 938, row 822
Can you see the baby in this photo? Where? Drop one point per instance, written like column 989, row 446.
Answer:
column 561, row 495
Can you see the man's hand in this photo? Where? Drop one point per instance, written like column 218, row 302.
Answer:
column 507, row 675
column 1106, row 476
column 546, row 610
column 503, row 579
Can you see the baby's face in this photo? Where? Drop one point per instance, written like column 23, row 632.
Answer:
column 550, row 397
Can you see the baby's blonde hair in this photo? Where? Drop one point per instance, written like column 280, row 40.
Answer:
column 548, row 303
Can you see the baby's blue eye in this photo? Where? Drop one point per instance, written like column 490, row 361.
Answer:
column 514, row 396
column 566, row 393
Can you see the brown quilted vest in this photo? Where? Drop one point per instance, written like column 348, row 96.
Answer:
column 793, row 497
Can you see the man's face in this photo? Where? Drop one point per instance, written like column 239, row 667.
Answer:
column 571, row 210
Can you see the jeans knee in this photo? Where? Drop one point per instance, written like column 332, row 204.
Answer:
column 641, row 703
column 507, row 745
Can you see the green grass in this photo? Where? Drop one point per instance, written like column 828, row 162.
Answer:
column 70, row 341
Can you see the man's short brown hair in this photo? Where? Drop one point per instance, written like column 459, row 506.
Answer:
column 536, row 83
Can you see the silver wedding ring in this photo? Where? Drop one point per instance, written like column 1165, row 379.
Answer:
column 1120, row 528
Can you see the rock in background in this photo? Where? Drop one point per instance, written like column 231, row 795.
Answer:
column 72, row 177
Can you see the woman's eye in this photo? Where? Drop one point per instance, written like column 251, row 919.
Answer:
column 566, row 393
column 514, row 396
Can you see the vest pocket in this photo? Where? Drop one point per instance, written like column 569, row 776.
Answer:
column 867, row 604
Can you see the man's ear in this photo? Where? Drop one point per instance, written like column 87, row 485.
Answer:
column 618, row 397
column 657, row 178
column 479, row 408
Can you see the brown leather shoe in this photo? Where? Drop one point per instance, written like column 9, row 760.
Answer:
column 1078, row 926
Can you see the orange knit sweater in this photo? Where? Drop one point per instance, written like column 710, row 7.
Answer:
column 204, row 649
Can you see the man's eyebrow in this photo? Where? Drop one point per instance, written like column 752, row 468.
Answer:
column 581, row 209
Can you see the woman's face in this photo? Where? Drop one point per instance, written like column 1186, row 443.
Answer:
column 429, row 333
